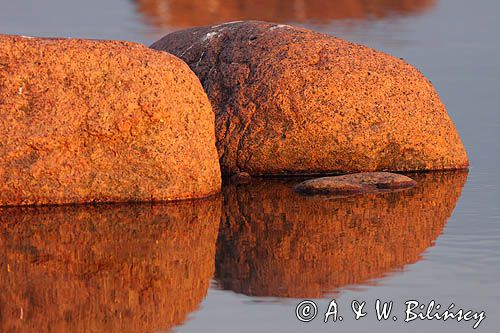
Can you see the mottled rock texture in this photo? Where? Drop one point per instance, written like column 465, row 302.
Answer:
column 275, row 242
column 106, row 268
column 179, row 13
column 101, row 121
column 292, row 101
column 364, row 182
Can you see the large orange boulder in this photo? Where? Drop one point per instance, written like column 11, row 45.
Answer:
column 292, row 101
column 94, row 121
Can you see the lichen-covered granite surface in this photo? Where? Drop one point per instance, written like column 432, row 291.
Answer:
column 101, row 121
column 292, row 101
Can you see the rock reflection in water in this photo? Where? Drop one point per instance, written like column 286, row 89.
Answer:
column 116, row 268
column 274, row 242
column 183, row 13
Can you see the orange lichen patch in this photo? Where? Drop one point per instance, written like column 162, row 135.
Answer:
column 275, row 242
column 119, row 268
column 184, row 14
column 293, row 101
column 101, row 121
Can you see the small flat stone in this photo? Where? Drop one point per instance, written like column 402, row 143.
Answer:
column 241, row 178
column 365, row 182
column 328, row 185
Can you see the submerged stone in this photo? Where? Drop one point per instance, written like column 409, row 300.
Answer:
column 355, row 183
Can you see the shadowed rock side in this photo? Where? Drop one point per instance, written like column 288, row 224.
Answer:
column 274, row 242
column 292, row 101
column 184, row 14
column 137, row 268
column 101, row 121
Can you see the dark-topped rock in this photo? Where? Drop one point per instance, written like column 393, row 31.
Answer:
column 101, row 121
column 355, row 183
column 292, row 101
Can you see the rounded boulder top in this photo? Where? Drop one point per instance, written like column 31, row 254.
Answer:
column 101, row 121
column 292, row 101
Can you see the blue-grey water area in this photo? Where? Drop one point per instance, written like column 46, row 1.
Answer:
column 241, row 262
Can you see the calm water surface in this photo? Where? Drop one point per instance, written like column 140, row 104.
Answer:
column 242, row 262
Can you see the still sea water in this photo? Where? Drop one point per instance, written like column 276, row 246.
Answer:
column 243, row 261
